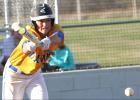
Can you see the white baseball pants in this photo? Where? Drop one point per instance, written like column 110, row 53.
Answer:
column 16, row 84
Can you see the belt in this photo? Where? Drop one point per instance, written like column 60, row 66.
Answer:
column 16, row 70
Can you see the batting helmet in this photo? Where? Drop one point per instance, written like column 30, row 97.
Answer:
column 41, row 11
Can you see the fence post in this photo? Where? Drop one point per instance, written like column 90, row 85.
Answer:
column 134, row 7
column 56, row 11
column 78, row 6
column 6, row 13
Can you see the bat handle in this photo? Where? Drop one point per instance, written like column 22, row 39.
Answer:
column 22, row 31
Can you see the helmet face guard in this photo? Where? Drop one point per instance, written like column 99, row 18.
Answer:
column 41, row 11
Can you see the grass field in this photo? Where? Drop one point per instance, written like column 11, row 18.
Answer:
column 112, row 45
column 109, row 45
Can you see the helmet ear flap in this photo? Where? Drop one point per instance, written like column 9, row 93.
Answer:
column 35, row 25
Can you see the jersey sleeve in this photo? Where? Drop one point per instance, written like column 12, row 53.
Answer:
column 57, row 28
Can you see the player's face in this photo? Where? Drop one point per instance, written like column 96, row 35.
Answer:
column 44, row 26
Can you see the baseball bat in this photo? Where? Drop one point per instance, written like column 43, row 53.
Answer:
column 31, row 37
column 25, row 32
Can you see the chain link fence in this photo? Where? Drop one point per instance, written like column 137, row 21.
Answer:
column 103, row 31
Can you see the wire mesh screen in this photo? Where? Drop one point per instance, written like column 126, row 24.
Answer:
column 103, row 31
column 19, row 10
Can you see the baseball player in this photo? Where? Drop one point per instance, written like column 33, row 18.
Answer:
column 22, row 70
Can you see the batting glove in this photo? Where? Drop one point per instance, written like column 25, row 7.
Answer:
column 28, row 47
column 45, row 43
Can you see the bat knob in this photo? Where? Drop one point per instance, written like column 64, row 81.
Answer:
column 21, row 30
column 15, row 26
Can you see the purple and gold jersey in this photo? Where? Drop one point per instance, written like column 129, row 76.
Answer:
column 31, row 63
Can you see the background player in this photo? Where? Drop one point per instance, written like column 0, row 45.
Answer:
column 22, row 70
column 9, row 44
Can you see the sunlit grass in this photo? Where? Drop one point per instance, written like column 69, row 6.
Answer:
column 111, row 45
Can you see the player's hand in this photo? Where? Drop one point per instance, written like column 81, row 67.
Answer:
column 28, row 47
column 45, row 43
